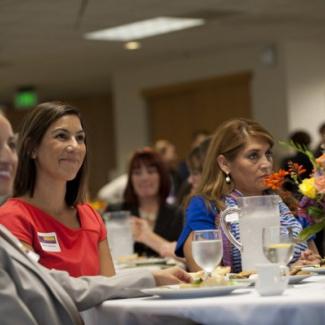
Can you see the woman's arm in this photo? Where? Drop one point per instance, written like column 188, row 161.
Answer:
column 312, row 246
column 198, row 217
column 310, row 256
column 144, row 234
column 160, row 245
column 105, row 259
column 191, row 265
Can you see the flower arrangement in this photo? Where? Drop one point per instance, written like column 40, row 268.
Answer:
column 312, row 189
column 98, row 205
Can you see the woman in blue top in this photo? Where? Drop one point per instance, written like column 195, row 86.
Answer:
column 238, row 159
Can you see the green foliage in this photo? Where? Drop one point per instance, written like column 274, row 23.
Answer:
column 311, row 230
column 301, row 148
column 315, row 212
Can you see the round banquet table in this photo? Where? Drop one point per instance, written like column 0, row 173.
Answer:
column 301, row 304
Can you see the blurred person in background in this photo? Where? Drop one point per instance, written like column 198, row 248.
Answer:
column 112, row 192
column 194, row 162
column 156, row 223
column 168, row 153
column 301, row 138
column 32, row 294
column 320, row 149
column 198, row 137
column 48, row 213
column 183, row 170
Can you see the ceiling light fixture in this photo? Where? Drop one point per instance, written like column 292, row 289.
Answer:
column 132, row 45
column 145, row 28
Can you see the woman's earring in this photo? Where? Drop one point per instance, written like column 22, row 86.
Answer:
column 228, row 180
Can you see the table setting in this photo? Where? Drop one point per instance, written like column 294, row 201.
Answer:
column 266, row 292
column 299, row 305
column 267, row 295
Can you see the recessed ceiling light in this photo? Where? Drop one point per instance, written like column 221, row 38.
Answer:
column 132, row 45
column 145, row 28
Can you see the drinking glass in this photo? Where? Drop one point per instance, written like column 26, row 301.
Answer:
column 207, row 249
column 278, row 248
column 119, row 233
column 278, row 244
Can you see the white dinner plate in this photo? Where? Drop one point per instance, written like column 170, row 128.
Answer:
column 150, row 261
column 319, row 270
column 249, row 282
column 146, row 262
column 294, row 279
column 175, row 291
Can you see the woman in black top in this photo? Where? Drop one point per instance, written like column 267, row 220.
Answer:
column 156, row 224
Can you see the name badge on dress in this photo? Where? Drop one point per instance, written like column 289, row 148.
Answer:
column 49, row 241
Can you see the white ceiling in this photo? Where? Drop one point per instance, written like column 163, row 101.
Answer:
column 42, row 44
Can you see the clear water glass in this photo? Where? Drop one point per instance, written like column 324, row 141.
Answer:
column 278, row 248
column 278, row 244
column 207, row 249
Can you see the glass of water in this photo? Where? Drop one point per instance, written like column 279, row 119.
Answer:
column 207, row 249
column 278, row 244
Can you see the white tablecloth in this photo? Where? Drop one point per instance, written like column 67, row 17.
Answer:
column 302, row 304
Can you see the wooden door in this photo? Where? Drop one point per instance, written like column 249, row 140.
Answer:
column 175, row 112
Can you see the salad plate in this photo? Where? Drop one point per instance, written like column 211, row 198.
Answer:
column 140, row 262
column 249, row 282
column 294, row 279
column 150, row 261
column 314, row 269
column 178, row 291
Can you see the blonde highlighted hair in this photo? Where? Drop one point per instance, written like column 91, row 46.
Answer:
column 228, row 139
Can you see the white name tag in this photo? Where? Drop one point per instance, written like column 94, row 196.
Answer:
column 232, row 217
column 49, row 241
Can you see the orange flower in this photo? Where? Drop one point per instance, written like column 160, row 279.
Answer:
column 320, row 183
column 98, row 205
column 275, row 180
column 296, row 169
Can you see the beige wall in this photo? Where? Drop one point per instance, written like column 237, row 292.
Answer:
column 268, row 91
column 305, row 70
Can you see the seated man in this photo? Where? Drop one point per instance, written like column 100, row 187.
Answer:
column 31, row 294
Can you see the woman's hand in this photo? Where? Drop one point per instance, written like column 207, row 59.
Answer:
column 140, row 229
column 308, row 257
column 173, row 275
column 144, row 234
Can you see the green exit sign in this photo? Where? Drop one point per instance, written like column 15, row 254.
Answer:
column 26, row 98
